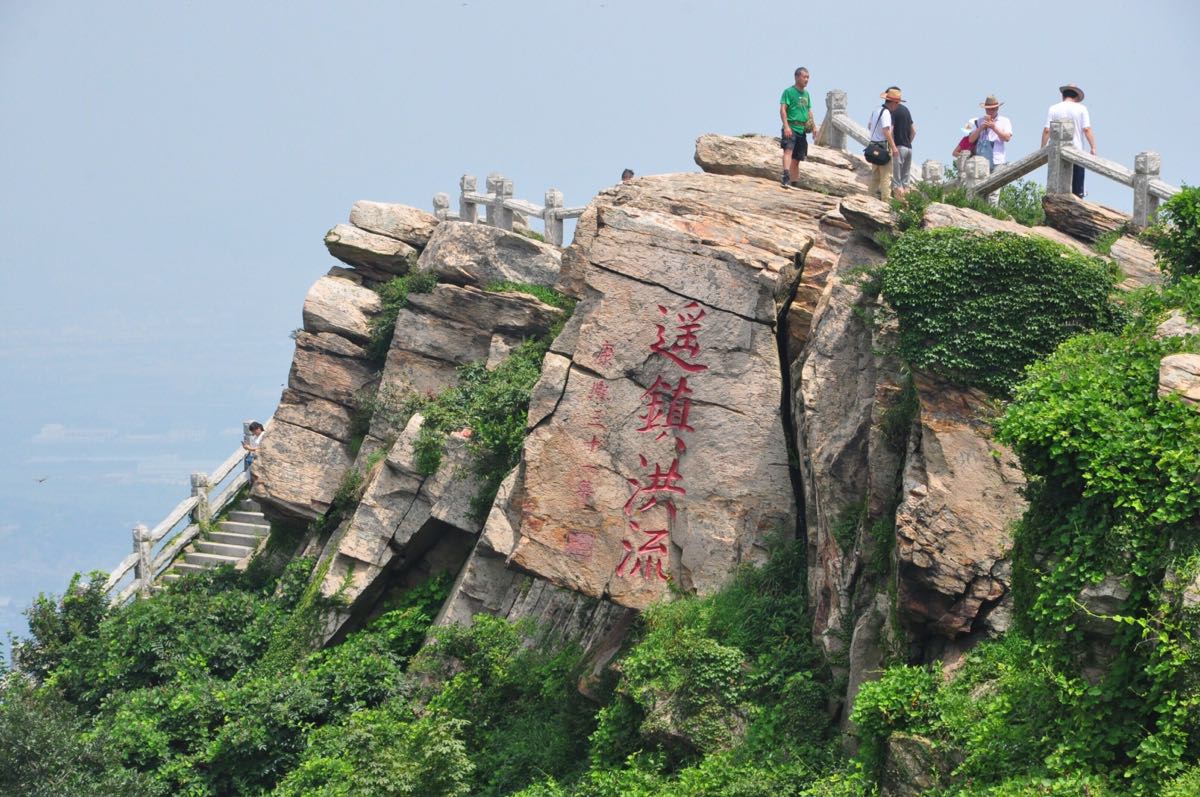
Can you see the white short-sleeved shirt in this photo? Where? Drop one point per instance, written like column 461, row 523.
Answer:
column 880, row 118
column 1002, row 123
column 1077, row 112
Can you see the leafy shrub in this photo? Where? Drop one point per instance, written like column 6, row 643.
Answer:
column 979, row 308
column 1112, row 490
column 1022, row 201
column 1176, row 234
column 523, row 715
column 45, row 752
column 56, row 624
column 385, row 752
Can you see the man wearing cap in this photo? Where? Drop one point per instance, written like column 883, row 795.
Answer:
column 903, row 133
column 991, row 132
column 795, row 112
column 879, row 127
column 1072, row 108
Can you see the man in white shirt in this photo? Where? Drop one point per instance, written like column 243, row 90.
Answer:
column 992, row 131
column 880, row 129
column 1072, row 108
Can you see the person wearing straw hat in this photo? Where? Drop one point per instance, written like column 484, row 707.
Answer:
column 903, row 133
column 991, row 132
column 1072, row 108
column 879, row 127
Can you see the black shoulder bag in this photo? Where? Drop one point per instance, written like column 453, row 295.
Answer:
column 877, row 151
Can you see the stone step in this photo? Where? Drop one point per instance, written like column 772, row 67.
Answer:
column 252, row 529
column 170, row 575
column 249, row 505
column 223, row 549
column 208, row 560
column 181, row 567
column 230, row 538
column 238, row 516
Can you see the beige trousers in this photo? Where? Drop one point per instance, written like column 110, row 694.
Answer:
column 881, row 181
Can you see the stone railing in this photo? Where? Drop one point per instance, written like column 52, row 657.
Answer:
column 499, row 206
column 211, row 493
column 1059, row 155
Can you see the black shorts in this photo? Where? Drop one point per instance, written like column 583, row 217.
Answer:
column 798, row 142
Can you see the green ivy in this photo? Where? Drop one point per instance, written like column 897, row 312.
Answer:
column 979, row 308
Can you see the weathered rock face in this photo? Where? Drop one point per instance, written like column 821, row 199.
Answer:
column 473, row 254
column 952, row 526
column 845, row 388
column 827, row 171
column 306, row 451
column 663, row 456
column 452, row 326
column 1176, row 325
column 1085, row 221
column 486, row 584
column 410, row 225
column 402, row 515
column 1179, row 375
column 369, row 250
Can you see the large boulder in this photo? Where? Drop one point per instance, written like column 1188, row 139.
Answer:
column 297, row 470
column 962, row 493
column 408, row 224
column 476, row 254
column 663, row 458
column 1138, row 265
column 453, row 326
column 340, row 307
column 1179, row 375
column 370, row 251
column 827, row 171
column 306, row 452
column 1083, row 220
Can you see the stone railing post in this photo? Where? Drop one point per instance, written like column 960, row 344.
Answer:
column 1058, row 168
column 467, row 209
column 504, row 216
column 974, row 172
column 143, row 572
column 554, row 222
column 441, row 206
column 1146, row 167
column 835, row 105
column 933, row 172
column 493, row 182
column 202, row 513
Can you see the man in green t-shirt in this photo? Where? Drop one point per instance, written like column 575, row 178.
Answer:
column 795, row 112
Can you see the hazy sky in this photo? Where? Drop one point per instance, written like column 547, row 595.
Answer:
column 168, row 170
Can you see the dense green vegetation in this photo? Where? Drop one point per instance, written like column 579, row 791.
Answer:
column 213, row 686
column 978, row 309
column 1176, row 234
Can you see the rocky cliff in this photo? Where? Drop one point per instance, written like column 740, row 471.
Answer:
column 725, row 380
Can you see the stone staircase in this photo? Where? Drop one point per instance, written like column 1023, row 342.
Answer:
column 237, row 537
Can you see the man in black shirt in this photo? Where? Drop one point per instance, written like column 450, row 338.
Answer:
column 903, row 132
